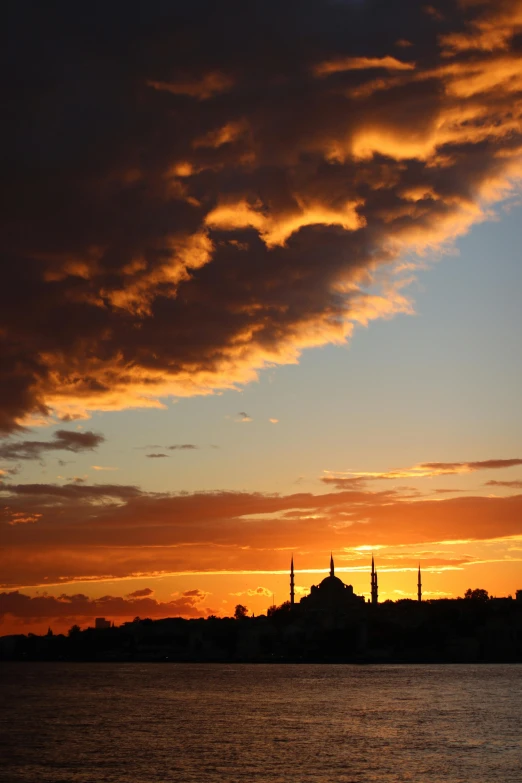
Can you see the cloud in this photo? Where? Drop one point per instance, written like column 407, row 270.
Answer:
column 361, row 64
column 423, row 470
column 492, row 29
column 258, row 592
column 19, row 518
column 63, row 440
column 103, row 532
column 273, row 421
column 197, row 595
column 209, row 84
column 346, row 482
column 53, row 496
column 79, row 606
column 244, row 418
column 277, row 179
column 144, row 593
column 174, row 447
column 262, row 591
column 517, row 484
column 468, row 467
column 103, row 467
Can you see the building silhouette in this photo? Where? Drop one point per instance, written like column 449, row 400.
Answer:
column 330, row 595
column 333, row 594
column 374, row 587
column 292, row 590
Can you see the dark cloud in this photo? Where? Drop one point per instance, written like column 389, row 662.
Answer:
column 84, row 609
column 197, row 190
column 197, row 594
column 182, row 447
column 156, row 456
column 63, row 440
column 144, row 593
column 75, row 491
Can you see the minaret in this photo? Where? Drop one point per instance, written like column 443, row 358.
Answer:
column 331, row 565
column 419, row 586
column 375, row 590
column 292, row 593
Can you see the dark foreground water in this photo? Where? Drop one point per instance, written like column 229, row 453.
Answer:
column 153, row 723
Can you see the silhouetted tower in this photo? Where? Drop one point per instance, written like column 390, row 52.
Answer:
column 331, row 565
column 375, row 589
column 419, row 586
column 292, row 592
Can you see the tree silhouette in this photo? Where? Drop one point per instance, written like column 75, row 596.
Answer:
column 478, row 594
column 240, row 612
column 74, row 630
column 281, row 615
column 284, row 609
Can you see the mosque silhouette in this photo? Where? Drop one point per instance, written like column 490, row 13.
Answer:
column 332, row 594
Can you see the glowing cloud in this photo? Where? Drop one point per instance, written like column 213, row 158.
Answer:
column 236, row 200
column 361, row 64
column 423, row 470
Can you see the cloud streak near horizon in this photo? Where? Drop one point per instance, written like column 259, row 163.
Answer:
column 249, row 177
column 353, row 479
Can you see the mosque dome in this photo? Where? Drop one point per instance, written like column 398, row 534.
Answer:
column 332, row 584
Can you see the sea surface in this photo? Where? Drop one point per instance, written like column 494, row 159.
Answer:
column 154, row 723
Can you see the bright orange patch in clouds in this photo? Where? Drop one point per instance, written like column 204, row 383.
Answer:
column 361, row 64
column 275, row 231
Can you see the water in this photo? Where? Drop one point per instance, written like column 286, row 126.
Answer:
column 155, row 723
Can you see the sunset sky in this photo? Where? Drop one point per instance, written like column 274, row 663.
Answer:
column 261, row 295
